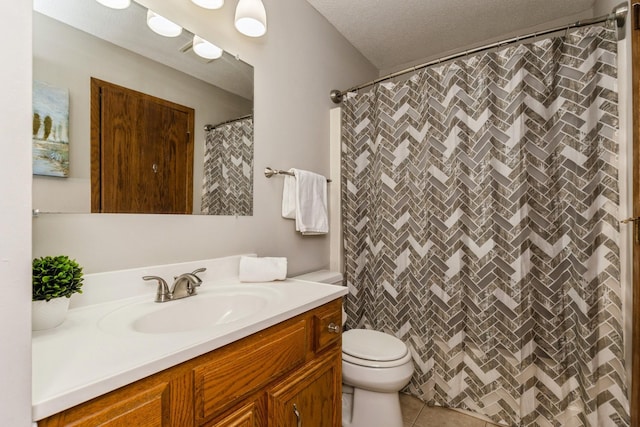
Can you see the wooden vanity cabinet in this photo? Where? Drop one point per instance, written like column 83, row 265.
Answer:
column 253, row 382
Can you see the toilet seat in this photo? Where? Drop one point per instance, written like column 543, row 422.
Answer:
column 374, row 349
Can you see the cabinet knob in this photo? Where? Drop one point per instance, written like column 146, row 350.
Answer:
column 333, row 328
column 297, row 414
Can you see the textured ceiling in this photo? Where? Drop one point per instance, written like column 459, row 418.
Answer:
column 396, row 33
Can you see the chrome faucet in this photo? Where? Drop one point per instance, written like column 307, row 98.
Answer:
column 183, row 286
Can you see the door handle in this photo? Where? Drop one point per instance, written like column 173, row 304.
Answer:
column 297, row 414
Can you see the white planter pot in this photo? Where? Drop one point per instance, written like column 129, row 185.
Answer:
column 48, row 314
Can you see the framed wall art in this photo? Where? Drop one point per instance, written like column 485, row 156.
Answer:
column 50, row 130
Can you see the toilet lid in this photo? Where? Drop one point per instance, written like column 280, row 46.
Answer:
column 372, row 345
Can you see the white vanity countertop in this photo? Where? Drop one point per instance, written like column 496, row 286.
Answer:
column 83, row 359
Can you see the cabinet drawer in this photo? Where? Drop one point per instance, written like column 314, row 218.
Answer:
column 327, row 326
column 225, row 379
column 143, row 409
column 162, row 400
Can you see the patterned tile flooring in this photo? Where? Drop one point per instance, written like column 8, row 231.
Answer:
column 416, row 414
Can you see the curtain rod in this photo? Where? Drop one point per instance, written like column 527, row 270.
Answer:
column 208, row 128
column 619, row 14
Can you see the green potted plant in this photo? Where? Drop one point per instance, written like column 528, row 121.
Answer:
column 54, row 280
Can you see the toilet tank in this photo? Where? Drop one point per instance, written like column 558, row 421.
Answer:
column 322, row 276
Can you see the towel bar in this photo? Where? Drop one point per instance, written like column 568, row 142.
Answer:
column 269, row 172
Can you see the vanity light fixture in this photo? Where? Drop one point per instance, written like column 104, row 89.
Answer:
column 209, row 4
column 251, row 18
column 162, row 25
column 205, row 49
column 115, row 4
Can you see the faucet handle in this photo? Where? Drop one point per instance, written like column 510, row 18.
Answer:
column 162, row 294
column 195, row 273
column 198, row 270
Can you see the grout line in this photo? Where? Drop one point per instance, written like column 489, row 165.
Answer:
column 415, row 420
column 453, row 416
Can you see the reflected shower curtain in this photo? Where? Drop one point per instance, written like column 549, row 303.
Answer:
column 227, row 187
column 480, row 205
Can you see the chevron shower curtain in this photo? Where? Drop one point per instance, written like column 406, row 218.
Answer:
column 227, row 187
column 480, row 205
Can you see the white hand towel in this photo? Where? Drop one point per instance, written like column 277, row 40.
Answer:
column 311, row 203
column 289, row 197
column 265, row 269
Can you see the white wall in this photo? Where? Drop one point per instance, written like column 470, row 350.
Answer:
column 15, row 216
column 297, row 63
column 67, row 58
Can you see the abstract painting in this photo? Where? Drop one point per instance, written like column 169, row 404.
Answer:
column 50, row 130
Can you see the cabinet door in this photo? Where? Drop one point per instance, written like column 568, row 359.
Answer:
column 310, row 397
column 247, row 416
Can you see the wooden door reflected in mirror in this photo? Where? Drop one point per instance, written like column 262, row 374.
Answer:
column 141, row 152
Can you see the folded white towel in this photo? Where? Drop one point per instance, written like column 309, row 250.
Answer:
column 289, row 197
column 264, row 269
column 311, row 202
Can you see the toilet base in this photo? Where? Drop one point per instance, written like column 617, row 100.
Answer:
column 373, row 409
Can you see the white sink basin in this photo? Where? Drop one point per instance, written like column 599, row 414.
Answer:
column 215, row 306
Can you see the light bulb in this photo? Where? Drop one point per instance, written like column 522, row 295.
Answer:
column 206, row 49
column 115, row 4
column 209, row 4
column 251, row 18
column 162, row 25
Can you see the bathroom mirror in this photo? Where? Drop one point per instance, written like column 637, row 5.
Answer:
column 75, row 40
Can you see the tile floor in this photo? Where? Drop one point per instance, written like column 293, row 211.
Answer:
column 416, row 414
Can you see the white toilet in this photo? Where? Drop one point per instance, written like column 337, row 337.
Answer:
column 375, row 366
